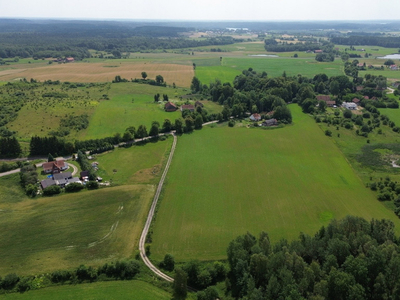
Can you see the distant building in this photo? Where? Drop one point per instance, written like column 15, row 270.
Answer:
column 188, row 107
column 349, row 105
column 318, row 51
column 169, row 106
column 324, row 98
column 69, row 59
column 54, row 166
column 198, row 103
column 255, row 117
column 270, row 122
column 356, row 101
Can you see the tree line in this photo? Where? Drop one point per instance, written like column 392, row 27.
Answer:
column 348, row 259
column 364, row 40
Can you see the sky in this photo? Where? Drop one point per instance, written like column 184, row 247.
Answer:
column 251, row 10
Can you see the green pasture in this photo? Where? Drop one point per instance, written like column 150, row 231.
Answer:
column 293, row 67
column 129, row 105
column 389, row 74
column 374, row 50
column 223, row 73
column 120, row 290
column 393, row 114
column 90, row 227
column 10, row 191
column 226, row 181
column 137, row 164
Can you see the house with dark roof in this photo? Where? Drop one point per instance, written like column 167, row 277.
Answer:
column 55, row 166
column 169, row 106
column 270, row 122
column 188, row 107
column 47, row 182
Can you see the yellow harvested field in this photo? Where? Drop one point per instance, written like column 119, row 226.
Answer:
column 103, row 72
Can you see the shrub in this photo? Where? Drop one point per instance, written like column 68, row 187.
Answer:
column 73, row 187
column 92, row 185
column 328, row 132
column 231, row 123
column 52, row 190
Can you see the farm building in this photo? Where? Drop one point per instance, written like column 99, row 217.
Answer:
column 318, row 51
column 169, row 106
column 255, row 117
column 330, row 103
column 55, row 166
column 270, row 122
column 69, row 59
column 324, row 98
column 356, row 101
column 188, row 107
column 349, row 105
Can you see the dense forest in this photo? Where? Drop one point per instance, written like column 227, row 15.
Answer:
column 348, row 259
column 368, row 40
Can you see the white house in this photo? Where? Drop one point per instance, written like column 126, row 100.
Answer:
column 350, row 105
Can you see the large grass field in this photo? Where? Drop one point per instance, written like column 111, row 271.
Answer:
column 293, row 67
column 120, row 290
column 223, row 73
column 89, row 227
column 45, row 234
column 226, row 181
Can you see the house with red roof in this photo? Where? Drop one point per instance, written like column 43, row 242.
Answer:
column 54, row 167
column 255, row 117
column 188, row 107
column 169, row 106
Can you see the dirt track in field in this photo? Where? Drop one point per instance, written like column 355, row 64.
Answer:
column 181, row 75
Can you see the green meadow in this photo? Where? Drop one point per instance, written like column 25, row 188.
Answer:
column 90, row 227
column 226, row 181
column 120, row 290
column 223, row 73
column 292, row 66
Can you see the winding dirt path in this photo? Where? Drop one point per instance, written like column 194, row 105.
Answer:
column 150, row 218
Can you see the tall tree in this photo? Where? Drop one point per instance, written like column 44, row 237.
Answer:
column 180, row 283
column 144, row 75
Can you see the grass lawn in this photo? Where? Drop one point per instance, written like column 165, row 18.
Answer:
column 226, row 181
column 132, row 289
column 129, row 105
column 89, row 227
column 293, row 67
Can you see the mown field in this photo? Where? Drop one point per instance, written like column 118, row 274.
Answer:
column 209, row 74
column 133, row 289
column 101, row 72
column 45, row 234
column 226, row 181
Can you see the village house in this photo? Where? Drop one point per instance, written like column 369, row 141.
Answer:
column 69, row 59
column 318, row 51
column 255, row 117
column 169, row 106
column 356, row 101
column 349, row 105
column 60, row 179
column 270, row 122
column 324, row 98
column 188, row 107
column 394, row 68
column 54, row 167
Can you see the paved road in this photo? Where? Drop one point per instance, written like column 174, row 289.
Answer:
column 150, row 218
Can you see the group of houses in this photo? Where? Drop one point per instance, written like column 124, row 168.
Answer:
column 170, row 106
column 56, row 175
column 355, row 102
column 269, row 122
column 64, row 60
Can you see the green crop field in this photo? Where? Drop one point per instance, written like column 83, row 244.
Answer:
column 293, row 67
column 63, row 232
column 225, row 181
column 393, row 114
column 120, row 290
column 209, row 74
